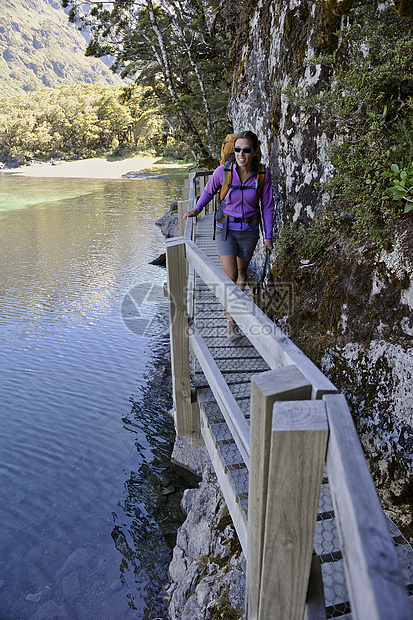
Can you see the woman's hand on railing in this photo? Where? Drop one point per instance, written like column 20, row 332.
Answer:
column 191, row 213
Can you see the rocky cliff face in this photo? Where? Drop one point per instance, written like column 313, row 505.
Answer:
column 353, row 314
column 207, row 572
column 275, row 40
column 39, row 48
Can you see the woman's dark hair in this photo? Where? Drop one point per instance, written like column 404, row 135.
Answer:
column 255, row 143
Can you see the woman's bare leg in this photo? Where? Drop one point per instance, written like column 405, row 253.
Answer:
column 230, row 267
column 242, row 266
column 236, row 269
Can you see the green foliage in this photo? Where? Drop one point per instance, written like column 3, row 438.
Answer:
column 402, row 185
column 298, row 242
column 399, row 181
column 179, row 51
column 81, row 121
column 367, row 109
column 40, row 49
column 224, row 609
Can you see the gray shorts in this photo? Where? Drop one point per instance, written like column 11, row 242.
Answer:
column 239, row 243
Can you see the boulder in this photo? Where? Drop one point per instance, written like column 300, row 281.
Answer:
column 168, row 224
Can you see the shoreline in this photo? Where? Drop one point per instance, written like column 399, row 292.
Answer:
column 102, row 168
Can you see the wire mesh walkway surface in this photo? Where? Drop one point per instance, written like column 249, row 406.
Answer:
column 238, row 362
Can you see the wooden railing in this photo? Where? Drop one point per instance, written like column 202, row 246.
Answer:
column 299, row 424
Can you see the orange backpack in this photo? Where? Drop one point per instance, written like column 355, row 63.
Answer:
column 228, row 158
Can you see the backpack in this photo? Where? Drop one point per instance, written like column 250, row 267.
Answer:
column 228, row 159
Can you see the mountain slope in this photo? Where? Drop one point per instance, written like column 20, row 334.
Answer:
column 38, row 48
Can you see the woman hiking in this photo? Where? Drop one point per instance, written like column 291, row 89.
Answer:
column 238, row 218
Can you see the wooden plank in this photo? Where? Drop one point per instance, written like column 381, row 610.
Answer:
column 374, row 580
column 235, row 510
column 233, row 415
column 298, row 445
column 201, row 173
column 203, row 176
column 202, row 183
column 188, row 191
column 192, row 191
column 189, row 231
column 315, row 608
column 274, row 346
column 266, row 388
column 196, row 438
column 191, row 292
column 178, row 322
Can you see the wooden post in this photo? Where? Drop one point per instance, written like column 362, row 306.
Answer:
column 178, row 325
column 298, row 446
column 191, row 190
column 202, row 183
column 315, row 608
column 281, row 384
column 182, row 208
column 185, row 192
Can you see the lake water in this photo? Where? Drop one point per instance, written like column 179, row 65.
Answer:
column 87, row 511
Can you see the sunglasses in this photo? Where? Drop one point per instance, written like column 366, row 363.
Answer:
column 247, row 149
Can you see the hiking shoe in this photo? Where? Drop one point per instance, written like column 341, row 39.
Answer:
column 233, row 331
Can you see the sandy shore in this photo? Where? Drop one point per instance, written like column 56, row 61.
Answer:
column 133, row 168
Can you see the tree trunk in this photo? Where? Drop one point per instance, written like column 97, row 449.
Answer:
column 202, row 155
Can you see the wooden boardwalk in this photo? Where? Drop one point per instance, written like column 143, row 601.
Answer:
column 238, row 362
column 284, row 448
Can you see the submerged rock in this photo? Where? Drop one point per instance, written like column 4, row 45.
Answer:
column 161, row 260
column 34, row 598
column 50, row 611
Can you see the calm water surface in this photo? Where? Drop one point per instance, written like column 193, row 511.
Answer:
column 85, row 436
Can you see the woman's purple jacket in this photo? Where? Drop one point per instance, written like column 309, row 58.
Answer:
column 242, row 201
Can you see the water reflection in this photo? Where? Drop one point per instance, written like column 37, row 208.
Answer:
column 86, row 517
column 145, row 530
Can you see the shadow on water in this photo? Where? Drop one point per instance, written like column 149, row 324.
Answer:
column 150, row 511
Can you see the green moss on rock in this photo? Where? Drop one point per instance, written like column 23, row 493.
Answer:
column 224, row 610
column 348, row 311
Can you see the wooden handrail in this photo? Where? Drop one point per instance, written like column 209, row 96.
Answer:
column 370, row 560
column 233, row 415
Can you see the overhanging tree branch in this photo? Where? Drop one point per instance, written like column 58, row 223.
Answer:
column 167, row 47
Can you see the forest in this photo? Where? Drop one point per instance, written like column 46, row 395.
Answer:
column 184, row 54
column 83, row 120
column 180, row 51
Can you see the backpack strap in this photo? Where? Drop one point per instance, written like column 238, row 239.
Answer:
column 226, row 185
column 227, row 179
column 261, row 179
